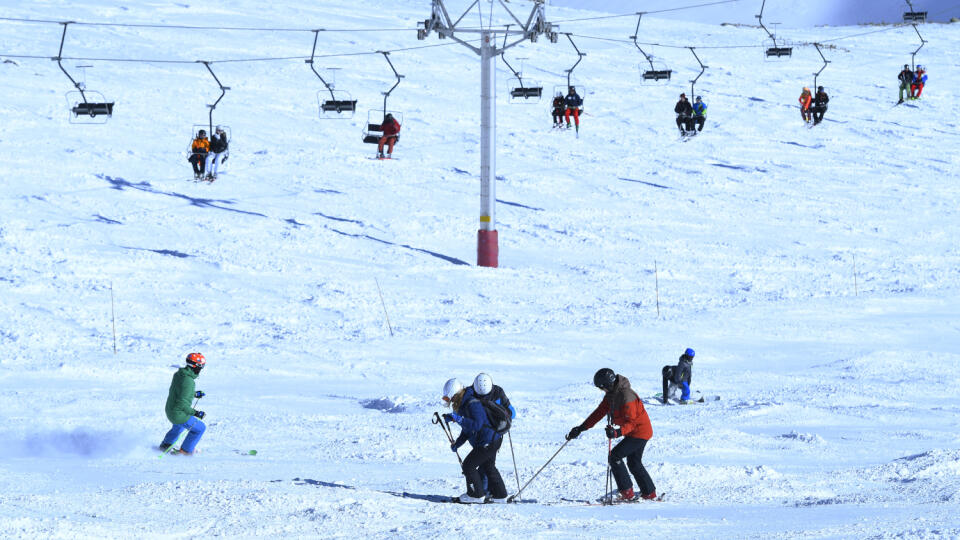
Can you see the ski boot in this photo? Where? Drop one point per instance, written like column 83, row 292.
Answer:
column 626, row 495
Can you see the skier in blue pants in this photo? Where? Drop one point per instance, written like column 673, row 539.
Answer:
column 679, row 375
column 179, row 411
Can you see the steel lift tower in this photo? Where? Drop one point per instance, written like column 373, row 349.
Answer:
column 445, row 27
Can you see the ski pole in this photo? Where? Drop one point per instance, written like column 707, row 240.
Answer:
column 446, row 431
column 516, row 473
column 609, row 490
column 517, row 494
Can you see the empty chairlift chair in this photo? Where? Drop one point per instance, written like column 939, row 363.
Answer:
column 333, row 103
column 86, row 106
column 521, row 92
column 914, row 16
column 657, row 71
column 773, row 50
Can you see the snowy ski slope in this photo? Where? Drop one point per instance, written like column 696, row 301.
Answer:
column 815, row 271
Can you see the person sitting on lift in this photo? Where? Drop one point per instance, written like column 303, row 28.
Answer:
column 573, row 103
column 558, row 107
column 699, row 113
column 805, row 99
column 391, row 132
column 684, row 115
column 906, row 79
column 216, row 156
column 198, row 153
column 919, row 80
column 820, row 101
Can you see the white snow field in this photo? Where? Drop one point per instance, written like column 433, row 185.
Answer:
column 815, row 271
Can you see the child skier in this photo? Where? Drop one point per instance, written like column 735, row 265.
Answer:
column 622, row 407
column 179, row 411
column 919, row 80
column 475, row 427
column 679, row 376
column 558, row 107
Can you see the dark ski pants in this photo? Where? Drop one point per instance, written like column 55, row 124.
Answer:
column 818, row 112
column 557, row 117
column 631, row 449
column 685, row 123
column 197, row 160
column 484, row 459
column 699, row 121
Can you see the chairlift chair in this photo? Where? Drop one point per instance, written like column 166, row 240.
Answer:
column 771, row 49
column 209, row 129
column 530, row 92
column 658, row 71
column 86, row 106
column 914, row 16
column 339, row 105
column 373, row 129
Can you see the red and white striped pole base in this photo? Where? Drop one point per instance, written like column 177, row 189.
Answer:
column 488, row 248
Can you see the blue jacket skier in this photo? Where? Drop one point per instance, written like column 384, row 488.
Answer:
column 699, row 113
column 679, row 375
column 476, row 427
column 483, row 388
column 574, row 103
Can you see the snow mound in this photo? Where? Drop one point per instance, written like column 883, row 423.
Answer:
column 803, row 437
column 388, row 404
column 79, row 442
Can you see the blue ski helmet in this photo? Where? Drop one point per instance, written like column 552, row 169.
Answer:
column 690, row 352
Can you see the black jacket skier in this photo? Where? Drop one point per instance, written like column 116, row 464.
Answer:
column 684, row 115
column 679, row 375
column 820, row 101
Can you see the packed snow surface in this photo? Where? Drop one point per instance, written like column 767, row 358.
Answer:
column 815, row 271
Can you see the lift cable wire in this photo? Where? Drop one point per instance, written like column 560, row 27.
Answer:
column 634, row 14
column 227, row 60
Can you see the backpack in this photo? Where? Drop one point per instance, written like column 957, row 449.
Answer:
column 498, row 417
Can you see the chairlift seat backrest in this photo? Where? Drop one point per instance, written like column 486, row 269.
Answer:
column 527, row 92
column 337, row 105
column 780, row 51
column 915, row 16
column 374, row 127
column 93, row 109
column 657, row 75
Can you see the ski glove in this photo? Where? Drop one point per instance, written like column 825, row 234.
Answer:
column 454, row 447
column 575, row 432
column 613, row 432
column 452, row 417
column 199, row 394
column 199, row 414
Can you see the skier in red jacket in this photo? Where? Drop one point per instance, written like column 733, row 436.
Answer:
column 391, row 132
column 623, row 408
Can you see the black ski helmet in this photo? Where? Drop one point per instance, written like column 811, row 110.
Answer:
column 604, row 379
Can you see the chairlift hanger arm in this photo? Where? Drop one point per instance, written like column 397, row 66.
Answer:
column 580, row 56
column 825, row 62
column 760, row 20
column 316, row 34
column 504, row 58
column 913, row 56
column 703, row 68
column 386, row 55
column 59, row 59
column 636, row 34
column 223, row 91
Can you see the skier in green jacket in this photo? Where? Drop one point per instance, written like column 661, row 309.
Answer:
column 179, row 410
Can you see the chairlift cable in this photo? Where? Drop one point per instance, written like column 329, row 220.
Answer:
column 646, row 12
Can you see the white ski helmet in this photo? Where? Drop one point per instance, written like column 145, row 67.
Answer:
column 483, row 384
column 450, row 389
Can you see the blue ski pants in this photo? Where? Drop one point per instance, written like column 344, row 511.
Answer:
column 685, row 394
column 195, row 427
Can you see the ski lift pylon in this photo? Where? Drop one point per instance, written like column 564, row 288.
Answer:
column 914, row 16
column 92, row 107
column 339, row 102
column 772, row 49
column 531, row 92
column 374, row 126
column 658, row 71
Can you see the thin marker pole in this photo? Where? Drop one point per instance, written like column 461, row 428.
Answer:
column 382, row 303
column 656, row 281
column 113, row 317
